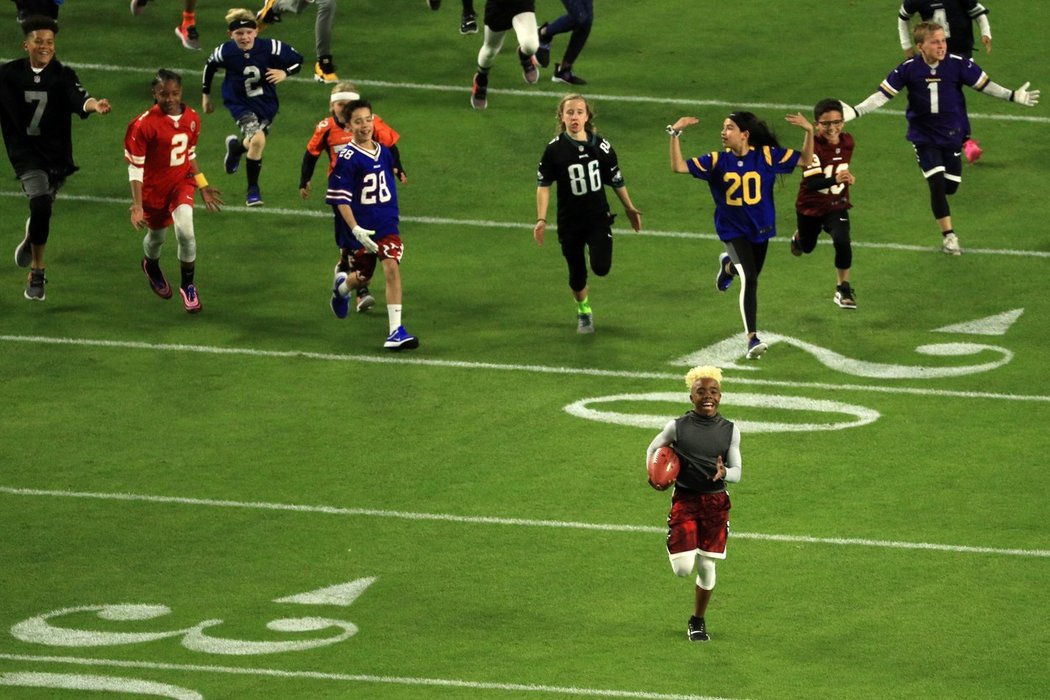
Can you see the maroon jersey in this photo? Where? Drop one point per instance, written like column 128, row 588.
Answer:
column 163, row 148
column 818, row 193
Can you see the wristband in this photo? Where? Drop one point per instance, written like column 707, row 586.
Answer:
column 672, row 131
column 539, row 220
column 201, row 181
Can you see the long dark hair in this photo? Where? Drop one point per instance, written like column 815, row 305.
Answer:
column 759, row 133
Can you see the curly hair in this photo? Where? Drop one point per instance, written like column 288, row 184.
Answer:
column 702, row 372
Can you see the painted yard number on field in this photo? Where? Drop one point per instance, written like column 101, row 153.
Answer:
column 726, row 354
column 44, row 629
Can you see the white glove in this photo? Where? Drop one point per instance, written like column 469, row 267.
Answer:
column 363, row 237
column 1026, row 97
column 848, row 113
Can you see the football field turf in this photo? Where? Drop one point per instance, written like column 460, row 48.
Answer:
column 260, row 502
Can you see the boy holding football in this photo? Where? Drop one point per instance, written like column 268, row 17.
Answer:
column 708, row 449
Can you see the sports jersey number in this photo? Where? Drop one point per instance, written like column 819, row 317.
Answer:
column 38, row 112
column 252, row 80
column 375, row 189
column 831, row 171
column 941, row 18
column 583, row 180
column 743, row 189
column 935, row 102
column 179, row 144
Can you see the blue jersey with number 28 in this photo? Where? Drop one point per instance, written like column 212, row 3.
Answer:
column 365, row 181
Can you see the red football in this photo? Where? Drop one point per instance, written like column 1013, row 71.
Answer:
column 663, row 468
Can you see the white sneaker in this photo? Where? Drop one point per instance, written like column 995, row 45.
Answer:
column 951, row 245
column 585, row 323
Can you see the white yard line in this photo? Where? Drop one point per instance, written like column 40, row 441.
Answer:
column 353, row 678
column 499, row 367
column 515, row 522
column 324, row 213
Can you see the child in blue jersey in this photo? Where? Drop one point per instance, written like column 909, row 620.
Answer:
column 249, row 90
column 936, row 114
column 363, row 193
column 741, row 180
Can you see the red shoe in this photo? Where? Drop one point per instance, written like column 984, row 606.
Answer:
column 973, row 150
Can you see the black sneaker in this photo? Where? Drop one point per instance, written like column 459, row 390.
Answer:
column 845, row 297
column 697, row 630
column 434, row 5
column 796, row 245
column 543, row 53
column 723, row 279
column 566, row 76
column 35, row 285
column 234, row 151
column 479, row 94
column 468, row 23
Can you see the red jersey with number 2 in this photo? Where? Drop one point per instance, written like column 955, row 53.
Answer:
column 163, row 147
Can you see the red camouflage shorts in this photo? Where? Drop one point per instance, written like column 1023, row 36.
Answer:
column 699, row 522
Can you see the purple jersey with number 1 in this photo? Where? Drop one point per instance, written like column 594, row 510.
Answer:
column 936, row 107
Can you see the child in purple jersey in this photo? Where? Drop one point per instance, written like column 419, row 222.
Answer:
column 936, row 114
column 741, row 179
column 363, row 193
column 957, row 18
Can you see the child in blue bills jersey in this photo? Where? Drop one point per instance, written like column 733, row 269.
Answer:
column 249, row 90
column 363, row 193
column 741, row 180
column 936, row 114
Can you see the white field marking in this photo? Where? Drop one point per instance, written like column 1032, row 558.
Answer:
column 538, row 369
column 79, row 681
column 522, row 226
column 997, row 324
column 358, row 678
column 516, row 522
column 860, row 414
column 343, row 594
column 556, row 94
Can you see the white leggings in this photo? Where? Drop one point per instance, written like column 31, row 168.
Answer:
column 525, row 29
column 154, row 239
column 682, row 564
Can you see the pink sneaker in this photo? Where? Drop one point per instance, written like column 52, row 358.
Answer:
column 973, row 150
column 190, row 299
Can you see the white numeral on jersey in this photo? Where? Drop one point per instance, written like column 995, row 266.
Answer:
column 375, row 188
column 179, row 143
column 40, row 98
column 579, row 177
column 935, row 103
column 831, row 171
column 941, row 18
column 252, row 78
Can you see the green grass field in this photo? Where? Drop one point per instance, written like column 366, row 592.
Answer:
column 260, row 502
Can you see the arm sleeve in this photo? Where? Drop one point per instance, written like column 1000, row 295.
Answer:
column 664, row 437
column 983, row 26
column 397, row 160
column 996, row 90
column 873, row 102
column 210, row 67
column 904, row 29
column 735, row 466
column 306, row 170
